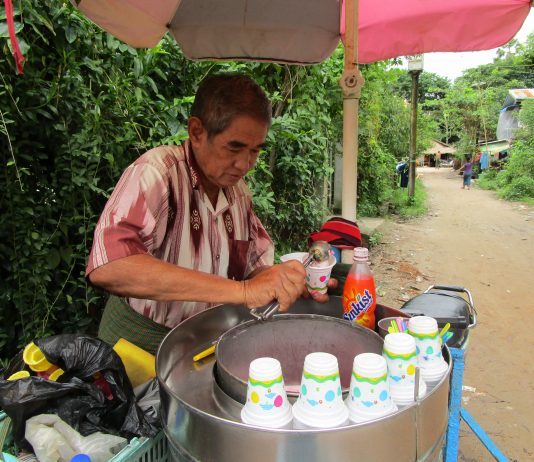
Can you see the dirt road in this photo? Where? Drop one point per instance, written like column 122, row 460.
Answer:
column 472, row 239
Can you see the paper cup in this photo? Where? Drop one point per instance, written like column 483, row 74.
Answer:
column 424, row 330
column 299, row 256
column 267, row 404
column 320, row 403
column 401, row 358
column 369, row 397
column 318, row 275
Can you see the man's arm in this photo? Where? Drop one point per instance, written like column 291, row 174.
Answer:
column 145, row 277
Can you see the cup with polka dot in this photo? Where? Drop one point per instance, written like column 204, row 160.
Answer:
column 369, row 396
column 320, row 402
column 401, row 358
column 425, row 331
column 267, row 404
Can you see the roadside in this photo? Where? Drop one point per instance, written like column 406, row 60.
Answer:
column 472, row 239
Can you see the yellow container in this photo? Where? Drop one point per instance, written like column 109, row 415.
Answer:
column 140, row 365
column 56, row 374
column 35, row 358
column 19, row 375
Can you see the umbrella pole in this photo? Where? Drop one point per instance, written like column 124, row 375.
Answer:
column 351, row 83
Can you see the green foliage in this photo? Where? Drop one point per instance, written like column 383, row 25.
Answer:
column 406, row 207
column 488, row 179
column 516, row 180
column 69, row 126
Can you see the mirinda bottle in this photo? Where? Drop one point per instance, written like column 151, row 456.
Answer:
column 359, row 293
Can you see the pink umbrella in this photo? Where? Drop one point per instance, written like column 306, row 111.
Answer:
column 304, row 31
column 308, row 31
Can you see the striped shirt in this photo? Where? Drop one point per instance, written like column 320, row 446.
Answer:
column 159, row 208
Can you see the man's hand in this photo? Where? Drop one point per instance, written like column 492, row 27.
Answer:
column 284, row 282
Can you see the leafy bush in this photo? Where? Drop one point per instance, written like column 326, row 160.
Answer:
column 488, row 179
column 405, row 207
column 519, row 188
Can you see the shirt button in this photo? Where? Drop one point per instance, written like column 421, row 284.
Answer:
column 217, row 257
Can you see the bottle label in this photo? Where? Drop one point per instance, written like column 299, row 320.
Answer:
column 359, row 300
column 359, row 305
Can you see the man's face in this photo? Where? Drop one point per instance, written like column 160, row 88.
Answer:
column 228, row 156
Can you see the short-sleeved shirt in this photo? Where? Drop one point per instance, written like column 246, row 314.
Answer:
column 159, row 208
column 468, row 168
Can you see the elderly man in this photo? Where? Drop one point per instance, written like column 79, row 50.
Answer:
column 179, row 235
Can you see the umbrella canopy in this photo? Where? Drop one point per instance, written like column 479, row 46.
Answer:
column 305, row 32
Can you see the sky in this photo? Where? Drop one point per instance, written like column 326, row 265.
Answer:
column 451, row 65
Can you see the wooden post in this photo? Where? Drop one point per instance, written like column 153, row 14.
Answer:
column 413, row 134
column 351, row 83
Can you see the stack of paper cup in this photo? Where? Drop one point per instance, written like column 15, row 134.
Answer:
column 320, row 403
column 267, row 404
column 369, row 396
column 424, row 330
column 401, row 358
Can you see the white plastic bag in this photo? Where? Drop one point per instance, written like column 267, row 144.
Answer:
column 53, row 440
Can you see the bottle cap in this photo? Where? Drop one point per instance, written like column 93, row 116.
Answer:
column 80, row 458
column 361, row 254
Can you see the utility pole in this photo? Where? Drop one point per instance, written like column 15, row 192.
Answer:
column 415, row 67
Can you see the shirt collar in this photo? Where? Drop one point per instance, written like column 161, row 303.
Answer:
column 192, row 165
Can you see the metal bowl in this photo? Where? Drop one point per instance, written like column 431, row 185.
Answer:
column 289, row 338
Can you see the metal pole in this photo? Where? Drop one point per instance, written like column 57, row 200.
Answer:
column 351, row 82
column 413, row 134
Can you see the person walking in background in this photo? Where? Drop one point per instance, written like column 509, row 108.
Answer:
column 468, row 173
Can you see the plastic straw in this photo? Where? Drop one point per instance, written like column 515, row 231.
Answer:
column 399, row 324
column 445, row 329
column 394, row 326
column 207, row 352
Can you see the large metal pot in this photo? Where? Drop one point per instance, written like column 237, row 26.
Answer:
column 202, row 424
column 289, row 338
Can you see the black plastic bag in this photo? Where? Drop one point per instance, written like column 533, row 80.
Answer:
column 75, row 398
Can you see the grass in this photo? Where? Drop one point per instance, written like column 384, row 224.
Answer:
column 406, row 207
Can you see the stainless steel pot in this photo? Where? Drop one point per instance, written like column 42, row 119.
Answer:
column 202, row 422
column 289, row 338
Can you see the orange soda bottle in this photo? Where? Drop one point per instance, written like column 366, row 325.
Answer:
column 359, row 293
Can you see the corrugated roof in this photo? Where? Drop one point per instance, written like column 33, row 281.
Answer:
column 518, row 94
column 438, row 146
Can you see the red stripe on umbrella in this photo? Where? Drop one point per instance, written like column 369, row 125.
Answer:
column 19, row 58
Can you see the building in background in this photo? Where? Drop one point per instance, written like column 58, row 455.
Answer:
column 508, row 121
column 438, row 152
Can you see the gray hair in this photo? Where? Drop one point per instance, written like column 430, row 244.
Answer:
column 223, row 97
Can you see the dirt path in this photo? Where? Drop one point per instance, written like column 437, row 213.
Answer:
column 472, row 239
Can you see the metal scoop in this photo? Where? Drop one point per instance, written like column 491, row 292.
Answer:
column 319, row 251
